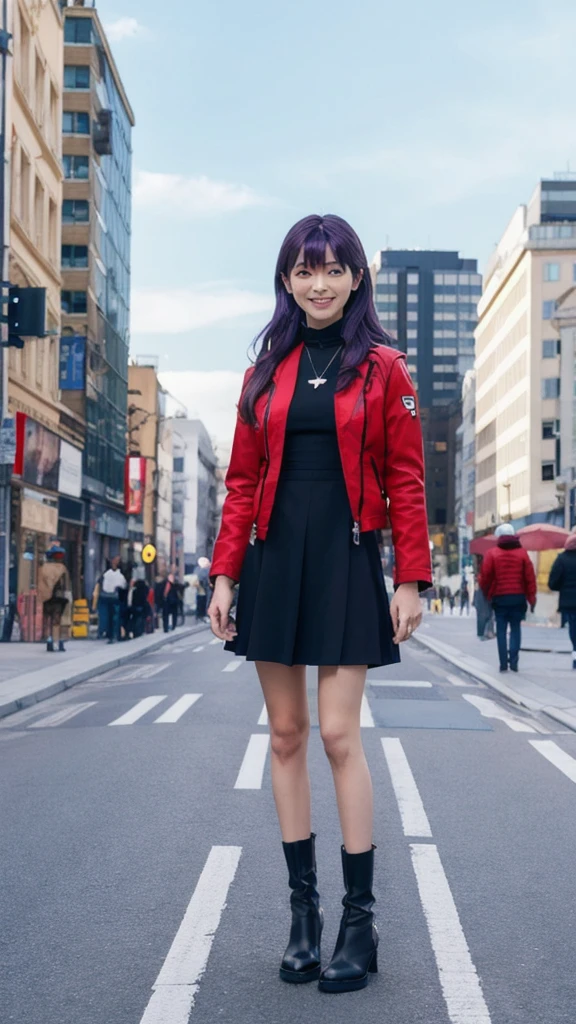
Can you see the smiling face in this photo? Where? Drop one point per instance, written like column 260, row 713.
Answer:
column 322, row 291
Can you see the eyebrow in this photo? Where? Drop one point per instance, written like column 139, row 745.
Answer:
column 330, row 264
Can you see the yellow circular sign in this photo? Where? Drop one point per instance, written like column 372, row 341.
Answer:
column 148, row 553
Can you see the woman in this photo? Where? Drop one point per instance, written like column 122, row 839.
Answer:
column 54, row 590
column 563, row 578
column 327, row 436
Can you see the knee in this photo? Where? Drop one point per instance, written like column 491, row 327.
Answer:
column 288, row 740
column 338, row 745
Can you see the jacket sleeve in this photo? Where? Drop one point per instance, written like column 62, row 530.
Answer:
column 241, row 482
column 486, row 574
column 556, row 574
column 404, row 479
column 529, row 580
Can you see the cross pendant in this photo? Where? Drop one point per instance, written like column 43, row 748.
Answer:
column 316, row 381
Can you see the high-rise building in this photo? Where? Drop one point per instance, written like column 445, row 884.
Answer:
column 97, row 121
column 195, row 467
column 427, row 301
column 518, row 361
column 564, row 321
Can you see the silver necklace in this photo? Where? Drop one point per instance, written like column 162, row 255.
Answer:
column 320, row 378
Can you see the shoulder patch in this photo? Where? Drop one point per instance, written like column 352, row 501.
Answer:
column 409, row 402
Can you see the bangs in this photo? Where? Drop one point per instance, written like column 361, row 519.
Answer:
column 314, row 245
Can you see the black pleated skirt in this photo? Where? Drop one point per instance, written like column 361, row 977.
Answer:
column 307, row 594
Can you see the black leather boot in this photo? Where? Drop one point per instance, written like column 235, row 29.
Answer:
column 355, row 954
column 301, row 960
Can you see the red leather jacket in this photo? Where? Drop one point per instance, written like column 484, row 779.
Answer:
column 507, row 569
column 380, row 442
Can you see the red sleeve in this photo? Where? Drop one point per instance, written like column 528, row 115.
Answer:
column 529, row 579
column 404, row 479
column 241, row 482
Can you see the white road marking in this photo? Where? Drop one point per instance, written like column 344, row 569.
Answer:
column 201, row 648
column 366, row 720
column 458, row 978
column 138, row 711
column 139, row 671
column 176, row 710
column 263, row 720
column 489, row 709
column 558, row 757
column 232, row 665
column 401, row 684
column 176, row 986
column 414, row 819
column 252, row 768
column 456, row 681
column 216, row 641
column 61, row 716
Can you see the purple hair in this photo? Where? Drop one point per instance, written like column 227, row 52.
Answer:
column 360, row 325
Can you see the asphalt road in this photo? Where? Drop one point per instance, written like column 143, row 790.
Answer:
column 143, row 880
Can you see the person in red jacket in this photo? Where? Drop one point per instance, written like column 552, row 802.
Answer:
column 507, row 579
column 327, row 449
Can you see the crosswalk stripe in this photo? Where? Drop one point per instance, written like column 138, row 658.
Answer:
column 263, row 720
column 558, row 757
column 401, row 684
column 176, row 710
column 489, row 709
column 460, row 983
column 252, row 768
column 456, row 681
column 200, row 648
column 177, row 983
column 61, row 716
column 140, row 709
column 414, row 818
column 366, row 720
column 232, row 665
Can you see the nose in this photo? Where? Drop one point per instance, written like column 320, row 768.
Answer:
column 319, row 283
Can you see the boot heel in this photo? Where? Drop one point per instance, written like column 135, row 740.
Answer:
column 373, row 969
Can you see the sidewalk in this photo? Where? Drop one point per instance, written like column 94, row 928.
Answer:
column 545, row 681
column 29, row 674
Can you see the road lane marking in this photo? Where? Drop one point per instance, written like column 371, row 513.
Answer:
column 414, row 819
column 263, row 720
column 460, row 983
column 489, row 709
column 232, row 665
column 177, row 983
column 142, row 707
column 366, row 720
column 558, row 757
column 64, row 715
column 201, row 648
column 141, row 671
column 252, row 768
column 215, row 641
column 456, row 681
column 402, row 684
column 176, row 710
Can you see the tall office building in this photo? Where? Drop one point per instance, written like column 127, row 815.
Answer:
column 427, row 300
column 96, row 227
column 518, row 361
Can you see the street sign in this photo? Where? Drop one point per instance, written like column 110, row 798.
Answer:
column 8, row 441
column 148, row 553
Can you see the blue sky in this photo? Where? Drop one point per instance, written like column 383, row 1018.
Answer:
column 424, row 124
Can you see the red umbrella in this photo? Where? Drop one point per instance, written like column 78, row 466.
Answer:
column 542, row 536
column 480, row 545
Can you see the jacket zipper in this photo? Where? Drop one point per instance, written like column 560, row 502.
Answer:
column 357, row 522
column 377, row 475
column 267, row 453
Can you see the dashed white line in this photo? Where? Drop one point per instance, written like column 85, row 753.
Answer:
column 252, row 768
column 141, row 708
column 200, row 648
column 366, row 720
column 460, row 983
column 139, row 671
column 176, row 710
column 232, row 665
column 401, row 684
column 489, row 709
column 414, row 819
column 263, row 720
column 59, row 717
column 177, row 983
column 215, row 641
column 558, row 757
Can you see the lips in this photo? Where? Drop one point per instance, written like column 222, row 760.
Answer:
column 321, row 303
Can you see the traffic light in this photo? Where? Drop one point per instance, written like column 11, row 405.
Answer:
column 26, row 314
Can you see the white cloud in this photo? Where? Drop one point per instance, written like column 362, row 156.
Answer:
column 123, row 28
column 173, row 311
column 192, row 196
column 210, row 396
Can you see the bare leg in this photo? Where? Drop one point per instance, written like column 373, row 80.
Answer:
column 284, row 691
column 340, row 691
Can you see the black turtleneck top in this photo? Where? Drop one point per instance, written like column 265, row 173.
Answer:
column 311, row 446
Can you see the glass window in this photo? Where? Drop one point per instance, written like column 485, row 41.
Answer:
column 548, row 429
column 412, row 298
column 411, row 334
column 411, row 351
column 551, row 271
column 73, row 302
column 75, row 256
column 75, row 122
column 464, row 278
column 549, row 348
column 438, row 278
column 412, row 278
column 77, row 30
column 574, row 271
column 450, row 298
column 550, row 387
column 561, row 196
column 75, row 167
column 440, row 446
column 450, row 278
column 179, row 464
column 76, row 76
column 74, row 211
column 548, row 309
column 411, row 315
column 548, row 471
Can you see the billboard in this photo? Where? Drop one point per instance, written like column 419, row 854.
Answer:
column 37, row 453
column 70, row 471
column 134, row 482
column 72, row 372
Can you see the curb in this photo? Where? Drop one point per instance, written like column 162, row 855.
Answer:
column 565, row 717
column 72, row 676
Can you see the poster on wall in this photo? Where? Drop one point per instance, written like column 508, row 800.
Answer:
column 37, row 453
column 70, row 472
column 72, row 374
column 134, row 481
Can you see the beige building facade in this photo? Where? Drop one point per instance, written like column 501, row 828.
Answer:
column 518, row 457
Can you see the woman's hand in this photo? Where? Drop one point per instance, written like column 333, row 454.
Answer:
column 218, row 611
column 406, row 611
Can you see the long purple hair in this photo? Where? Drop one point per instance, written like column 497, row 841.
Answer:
column 360, row 325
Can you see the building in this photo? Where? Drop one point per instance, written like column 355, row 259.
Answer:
column 427, row 300
column 465, row 470
column 564, row 321
column 195, row 468
column 97, row 121
column 518, row 361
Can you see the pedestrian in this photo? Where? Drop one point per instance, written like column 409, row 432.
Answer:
column 201, row 583
column 139, row 606
column 451, row 601
column 563, row 578
column 113, row 581
column 124, row 599
column 464, row 598
column 508, row 581
column 169, row 603
column 55, row 593
column 484, row 614
column 327, row 445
